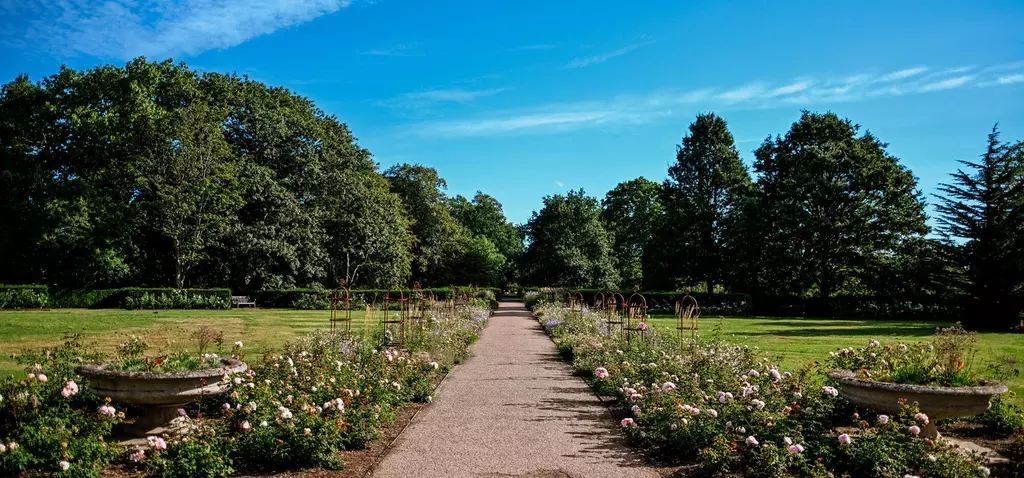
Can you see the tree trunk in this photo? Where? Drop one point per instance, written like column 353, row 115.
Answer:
column 710, row 286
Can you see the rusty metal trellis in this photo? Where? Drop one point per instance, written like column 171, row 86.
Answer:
column 615, row 304
column 636, row 315
column 576, row 301
column 396, row 321
column 341, row 310
column 687, row 315
column 599, row 301
column 417, row 306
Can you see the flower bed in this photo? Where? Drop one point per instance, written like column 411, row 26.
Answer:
column 730, row 409
column 291, row 410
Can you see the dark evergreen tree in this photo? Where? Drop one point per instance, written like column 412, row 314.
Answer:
column 981, row 213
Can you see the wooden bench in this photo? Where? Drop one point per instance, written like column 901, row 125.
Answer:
column 242, row 300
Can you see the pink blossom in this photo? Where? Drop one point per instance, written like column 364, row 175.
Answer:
column 751, row 441
column 3, row 448
column 601, row 372
column 226, row 406
column 845, row 439
column 182, row 412
column 883, row 419
column 684, row 422
column 695, row 411
column 668, row 386
column 873, row 343
column 107, row 410
column 156, row 442
column 794, row 449
column 42, row 379
column 787, row 440
column 627, row 422
column 64, row 465
column 673, row 427
column 137, row 456
column 827, row 390
column 754, row 373
column 70, row 388
column 921, row 418
column 776, row 376
column 245, row 425
column 914, row 430
column 635, row 409
column 713, row 413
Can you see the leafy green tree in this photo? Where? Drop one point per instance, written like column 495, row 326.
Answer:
column 190, row 188
column 982, row 215
column 484, row 218
column 700, row 197
column 630, row 213
column 836, row 201
column 568, row 246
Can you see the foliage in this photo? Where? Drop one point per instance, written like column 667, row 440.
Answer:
column 701, row 195
column 50, row 417
column 630, row 213
column 568, row 246
column 984, row 209
column 836, row 200
column 1002, row 418
column 945, row 361
column 291, row 410
column 732, row 410
column 153, row 174
column 23, row 298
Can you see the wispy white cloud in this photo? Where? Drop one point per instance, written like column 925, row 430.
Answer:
column 154, row 28
column 903, row 74
column 742, row 93
column 946, row 84
column 1010, row 79
column 457, row 95
column 403, row 49
column 560, row 184
column 635, row 109
column 790, row 89
column 603, row 57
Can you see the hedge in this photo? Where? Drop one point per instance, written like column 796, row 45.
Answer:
column 133, row 297
column 30, row 296
column 919, row 307
column 320, row 298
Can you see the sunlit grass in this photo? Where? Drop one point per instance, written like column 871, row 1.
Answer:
column 798, row 341
column 260, row 330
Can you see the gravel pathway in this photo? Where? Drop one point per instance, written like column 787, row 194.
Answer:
column 513, row 409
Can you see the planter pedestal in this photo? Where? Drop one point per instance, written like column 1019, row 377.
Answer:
column 160, row 394
column 936, row 402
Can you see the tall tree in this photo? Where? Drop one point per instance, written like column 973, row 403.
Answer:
column 630, row 212
column 836, row 200
column 982, row 213
column 568, row 246
column 190, row 187
column 484, row 218
column 700, row 196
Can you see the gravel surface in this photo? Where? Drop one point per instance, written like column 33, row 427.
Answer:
column 513, row 409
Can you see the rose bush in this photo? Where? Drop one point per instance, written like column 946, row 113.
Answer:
column 290, row 410
column 733, row 410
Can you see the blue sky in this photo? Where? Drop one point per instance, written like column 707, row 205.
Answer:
column 528, row 98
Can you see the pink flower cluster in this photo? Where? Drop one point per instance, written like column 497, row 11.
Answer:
column 156, row 443
column 601, row 372
column 107, row 410
column 70, row 388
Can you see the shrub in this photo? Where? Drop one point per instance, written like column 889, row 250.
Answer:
column 23, row 299
column 730, row 408
column 1002, row 418
column 177, row 298
column 312, row 302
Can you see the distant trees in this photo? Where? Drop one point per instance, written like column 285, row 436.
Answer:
column 568, row 246
column 829, row 214
column 152, row 174
column 982, row 216
column 630, row 213
column 701, row 195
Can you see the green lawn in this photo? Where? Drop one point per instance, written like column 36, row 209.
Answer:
column 800, row 341
column 165, row 330
column 796, row 340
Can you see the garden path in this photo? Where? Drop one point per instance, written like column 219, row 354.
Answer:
column 513, row 409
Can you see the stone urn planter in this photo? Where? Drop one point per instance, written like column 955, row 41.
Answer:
column 159, row 394
column 936, row 402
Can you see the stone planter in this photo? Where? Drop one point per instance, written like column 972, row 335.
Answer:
column 159, row 394
column 936, row 402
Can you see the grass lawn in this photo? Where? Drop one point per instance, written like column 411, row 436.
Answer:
column 799, row 341
column 164, row 330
